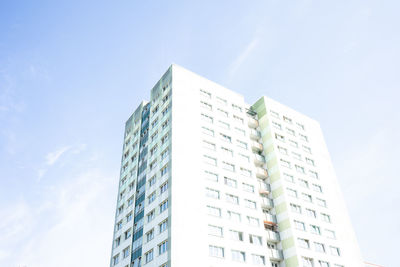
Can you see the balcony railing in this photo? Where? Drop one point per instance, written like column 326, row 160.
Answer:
column 275, row 254
column 266, row 202
column 262, row 173
column 256, row 146
column 259, row 159
column 253, row 123
column 272, row 236
column 254, row 134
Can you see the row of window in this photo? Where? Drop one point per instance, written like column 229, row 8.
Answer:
column 236, row 255
column 319, row 247
column 310, row 262
column 287, row 120
column 290, row 131
column 162, row 248
column 291, row 142
column 234, row 235
column 162, row 207
column 215, row 194
column 232, row 215
column 221, row 101
column 306, row 197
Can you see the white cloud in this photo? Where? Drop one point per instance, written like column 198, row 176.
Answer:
column 52, row 157
column 241, row 58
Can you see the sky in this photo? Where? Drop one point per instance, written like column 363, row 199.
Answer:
column 72, row 72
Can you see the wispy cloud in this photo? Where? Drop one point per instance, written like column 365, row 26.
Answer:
column 52, row 157
column 241, row 58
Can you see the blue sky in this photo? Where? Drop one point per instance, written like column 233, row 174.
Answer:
column 71, row 73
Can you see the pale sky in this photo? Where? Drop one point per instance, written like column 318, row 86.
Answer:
column 71, row 73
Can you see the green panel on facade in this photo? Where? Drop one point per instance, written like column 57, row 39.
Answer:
column 280, row 208
column 277, row 192
column 287, row 243
column 292, row 262
column 275, row 177
column 284, row 225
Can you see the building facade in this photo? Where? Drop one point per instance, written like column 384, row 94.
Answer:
column 209, row 180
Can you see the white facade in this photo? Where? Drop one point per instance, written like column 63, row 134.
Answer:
column 195, row 169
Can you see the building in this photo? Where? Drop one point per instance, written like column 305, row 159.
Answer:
column 209, row 180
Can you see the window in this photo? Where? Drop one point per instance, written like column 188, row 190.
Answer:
column 238, row 119
column 315, row 229
column 304, row 243
column 255, row 239
column 119, row 225
column 150, row 235
column 310, row 161
column 291, row 192
column 207, row 131
column 307, row 262
column 241, row 144
column 230, row 182
column 150, row 216
column 221, row 100
column 165, row 124
column 164, row 139
column 205, row 93
column 290, row 131
column 232, row 199
column 125, row 252
column 295, row 208
column 253, row 221
column 244, row 158
column 235, row 235
column 303, row 137
column 250, row 204
column 213, row 211
column 212, row 193
column 211, row 176
column 223, row 113
column 311, row 213
column 236, row 108
column 313, row 174
column 163, row 206
column 276, row 125
column 306, row 197
column 129, row 217
column 154, row 123
column 238, row 256
column 300, row 126
column 296, row 155
column 288, row 177
column 225, row 138
column 117, row 242
column 115, row 259
column 149, row 256
column 248, row 187
column 321, row 202
column 299, row 169
column 326, row 217
column 216, row 251
column 285, row 163
column 165, row 153
column 165, row 99
column 299, row 225
column 274, row 264
column 164, row 170
column 280, row 137
column 163, row 226
column 206, row 105
column 317, row 188
column 286, row 119
column 303, row 183
column 153, row 164
column 210, row 160
column 228, row 166
column 153, row 150
column 224, row 125
column 164, row 187
column 307, row 149
column 330, row 234
column 240, row 131
column 293, row 143
column 131, row 185
column 208, row 145
column 152, row 181
column 234, row 216
column 215, row 230
column 245, row 172
column 154, row 136
column 163, row 247
column 335, row 251
column 319, row 247
column 227, row 151
column 274, row 114
column 207, row 118
column 165, row 111
column 323, row 264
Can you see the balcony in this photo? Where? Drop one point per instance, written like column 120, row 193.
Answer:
column 259, row 160
column 270, row 219
column 253, row 123
column 265, row 189
column 262, row 173
column 254, row 134
column 256, row 146
column 266, row 203
column 275, row 254
column 272, row 236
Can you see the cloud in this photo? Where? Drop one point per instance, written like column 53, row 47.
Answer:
column 52, row 157
column 241, row 58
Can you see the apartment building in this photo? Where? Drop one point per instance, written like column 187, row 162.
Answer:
column 209, row 180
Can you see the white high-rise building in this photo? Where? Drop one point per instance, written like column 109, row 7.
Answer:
column 208, row 180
